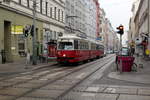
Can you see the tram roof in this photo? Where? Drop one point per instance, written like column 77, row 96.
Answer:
column 76, row 37
column 71, row 37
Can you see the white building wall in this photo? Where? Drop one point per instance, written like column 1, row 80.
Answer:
column 85, row 17
column 143, row 21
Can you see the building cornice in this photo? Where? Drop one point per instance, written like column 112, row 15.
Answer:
column 137, row 13
column 31, row 16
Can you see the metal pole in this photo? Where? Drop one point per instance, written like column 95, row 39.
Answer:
column 120, row 42
column 148, row 15
column 34, row 57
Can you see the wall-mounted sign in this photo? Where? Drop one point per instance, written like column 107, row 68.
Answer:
column 17, row 29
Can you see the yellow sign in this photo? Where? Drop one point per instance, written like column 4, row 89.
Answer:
column 147, row 52
column 17, row 29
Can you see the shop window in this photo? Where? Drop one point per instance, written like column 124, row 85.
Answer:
column 21, row 49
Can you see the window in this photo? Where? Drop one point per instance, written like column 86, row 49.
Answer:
column 46, row 7
column 62, row 16
column 54, row 34
column 41, row 5
column 55, row 12
column 28, row 3
column 20, row 2
column 65, row 46
column 75, row 44
column 25, row 3
column 51, row 12
column 58, row 14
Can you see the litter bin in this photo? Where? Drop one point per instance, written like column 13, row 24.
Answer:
column 126, row 62
column 3, row 54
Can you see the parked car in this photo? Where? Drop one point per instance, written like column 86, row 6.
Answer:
column 125, row 51
column 109, row 52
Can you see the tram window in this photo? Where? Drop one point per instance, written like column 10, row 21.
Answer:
column 65, row 46
column 75, row 44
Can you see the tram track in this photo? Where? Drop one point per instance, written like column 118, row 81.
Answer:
column 55, row 79
column 67, row 91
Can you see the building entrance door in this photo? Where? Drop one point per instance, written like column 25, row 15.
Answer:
column 7, row 41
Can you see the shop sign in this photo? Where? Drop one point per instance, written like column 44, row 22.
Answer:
column 147, row 52
column 17, row 29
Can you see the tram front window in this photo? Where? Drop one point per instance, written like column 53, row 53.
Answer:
column 65, row 46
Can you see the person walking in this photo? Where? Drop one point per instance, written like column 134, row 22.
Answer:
column 27, row 59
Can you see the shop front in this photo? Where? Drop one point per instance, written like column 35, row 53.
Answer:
column 13, row 43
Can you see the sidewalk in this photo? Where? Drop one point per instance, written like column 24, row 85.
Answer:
column 141, row 76
column 20, row 66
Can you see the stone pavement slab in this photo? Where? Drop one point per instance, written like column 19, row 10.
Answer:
column 144, row 92
column 30, row 98
column 45, row 94
column 133, row 97
column 89, row 96
column 2, row 97
column 132, row 77
column 121, row 90
column 13, row 91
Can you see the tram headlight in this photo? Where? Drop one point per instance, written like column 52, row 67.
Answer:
column 64, row 55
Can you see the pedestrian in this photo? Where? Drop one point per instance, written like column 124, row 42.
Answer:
column 132, row 51
column 27, row 58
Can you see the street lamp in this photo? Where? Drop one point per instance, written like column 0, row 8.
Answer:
column 34, row 56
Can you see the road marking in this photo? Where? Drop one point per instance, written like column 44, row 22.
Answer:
column 26, row 73
column 41, row 73
column 110, row 90
column 80, row 76
column 43, row 79
column 92, row 89
column 88, row 95
column 24, row 77
column 52, row 75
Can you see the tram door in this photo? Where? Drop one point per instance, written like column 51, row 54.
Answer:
column 52, row 50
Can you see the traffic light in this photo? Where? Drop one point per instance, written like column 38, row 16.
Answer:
column 121, row 30
column 32, row 30
column 26, row 32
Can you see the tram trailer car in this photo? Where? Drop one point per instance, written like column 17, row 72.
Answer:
column 75, row 49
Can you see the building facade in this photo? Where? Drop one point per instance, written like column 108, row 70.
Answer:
column 142, row 24
column 17, row 14
column 102, row 26
column 82, row 18
column 132, row 34
column 112, row 41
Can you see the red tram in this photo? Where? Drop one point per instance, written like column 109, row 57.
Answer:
column 72, row 49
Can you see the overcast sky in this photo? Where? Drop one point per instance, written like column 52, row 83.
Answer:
column 118, row 12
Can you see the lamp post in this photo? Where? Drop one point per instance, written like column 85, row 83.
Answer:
column 34, row 56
